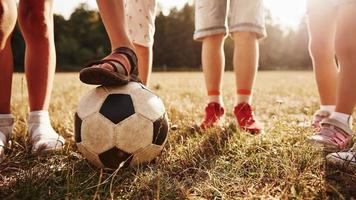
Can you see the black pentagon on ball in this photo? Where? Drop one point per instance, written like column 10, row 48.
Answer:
column 77, row 128
column 160, row 130
column 117, row 107
column 113, row 157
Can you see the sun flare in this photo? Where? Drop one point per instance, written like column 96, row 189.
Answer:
column 287, row 13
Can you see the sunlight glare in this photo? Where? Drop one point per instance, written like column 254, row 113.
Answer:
column 287, row 13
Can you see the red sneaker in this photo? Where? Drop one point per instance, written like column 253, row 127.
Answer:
column 246, row 119
column 214, row 113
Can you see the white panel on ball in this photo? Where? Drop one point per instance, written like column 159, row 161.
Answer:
column 147, row 104
column 135, row 133
column 91, row 102
column 97, row 133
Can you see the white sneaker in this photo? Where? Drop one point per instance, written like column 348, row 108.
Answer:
column 346, row 160
column 6, row 125
column 43, row 137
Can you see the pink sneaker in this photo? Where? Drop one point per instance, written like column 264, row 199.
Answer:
column 346, row 160
column 214, row 113
column 319, row 116
column 246, row 119
column 333, row 135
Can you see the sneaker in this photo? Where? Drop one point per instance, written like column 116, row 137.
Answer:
column 214, row 113
column 333, row 135
column 6, row 125
column 319, row 116
column 346, row 160
column 246, row 119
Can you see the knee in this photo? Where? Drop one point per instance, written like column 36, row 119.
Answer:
column 321, row 51
column 244, row 36
column 35, row 22
column 214, row 39
column 7, row 23
column 345, row 47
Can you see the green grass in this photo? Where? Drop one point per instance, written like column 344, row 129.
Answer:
column 194, row 165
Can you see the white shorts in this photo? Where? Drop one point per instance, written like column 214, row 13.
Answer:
column 211, row 17
column 140, row 18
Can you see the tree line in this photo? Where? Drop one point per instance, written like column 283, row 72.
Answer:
column 82, row 38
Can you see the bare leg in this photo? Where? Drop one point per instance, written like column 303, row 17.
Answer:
column 8, row 15
column 113, row 15
column 322, row 28
column 213, row 61
column 346, row 51
column 36, row 22
column 245, row 62
column 144, row 55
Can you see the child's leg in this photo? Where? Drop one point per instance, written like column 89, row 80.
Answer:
column 36, row 23
column 247, row 26
column 120, row 66
column 245, row 64
column 140, row 17
column 213, row 62
column 210, row 28
column 8, row 17
column 113, row 15
column 345, row 46
column 145, row 57
column 322, row 28
column 346, row 95
column 336, row 132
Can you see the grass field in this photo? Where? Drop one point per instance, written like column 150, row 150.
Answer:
column 194, row 165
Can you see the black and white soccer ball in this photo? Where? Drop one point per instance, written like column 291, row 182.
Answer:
column 121, row 126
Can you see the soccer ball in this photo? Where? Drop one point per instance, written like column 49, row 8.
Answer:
column 120, row 126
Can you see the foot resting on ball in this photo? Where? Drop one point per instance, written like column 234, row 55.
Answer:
column 43, row 137
column 6, row 124
column 116, row 69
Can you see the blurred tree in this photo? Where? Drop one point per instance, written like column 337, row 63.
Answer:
column 82, row 38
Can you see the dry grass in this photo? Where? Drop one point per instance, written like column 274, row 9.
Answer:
column 194, row 165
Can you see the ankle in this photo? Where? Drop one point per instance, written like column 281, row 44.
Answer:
column 343, row 118
column 214, row 96
column 243, row 96
column 328, row 108
column 6, row 126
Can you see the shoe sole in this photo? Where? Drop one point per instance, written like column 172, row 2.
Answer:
column 100, row 76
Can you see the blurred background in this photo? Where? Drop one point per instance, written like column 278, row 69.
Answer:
column 80, row 37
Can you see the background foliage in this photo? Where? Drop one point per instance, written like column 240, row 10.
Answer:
column 82, row 38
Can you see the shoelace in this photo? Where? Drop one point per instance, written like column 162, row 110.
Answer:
column 247, row 112
column 210, row 113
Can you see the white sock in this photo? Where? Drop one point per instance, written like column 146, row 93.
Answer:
column 216, row 99
column 343, row 118
column 243, row 99
column 328, row 108
column 42, row 133
column 6, row 125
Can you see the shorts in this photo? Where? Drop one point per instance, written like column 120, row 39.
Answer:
column 140, row 21
column 211, row 17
